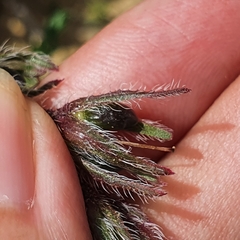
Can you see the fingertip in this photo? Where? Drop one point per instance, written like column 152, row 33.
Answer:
column 58, row 197
column 151, row 45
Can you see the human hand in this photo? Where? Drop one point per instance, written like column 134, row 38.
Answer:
column 150, row 45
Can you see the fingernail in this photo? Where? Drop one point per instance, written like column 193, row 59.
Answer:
column 16, row 150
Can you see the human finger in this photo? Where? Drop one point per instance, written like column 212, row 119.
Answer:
column 152, row 44
column 39, row 189
column 203, row 197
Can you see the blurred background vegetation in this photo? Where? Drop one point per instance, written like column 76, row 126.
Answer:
column 57, row 27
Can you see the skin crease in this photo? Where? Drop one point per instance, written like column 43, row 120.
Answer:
column 157, row 41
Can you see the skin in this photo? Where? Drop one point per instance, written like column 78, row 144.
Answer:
column 157, row 41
